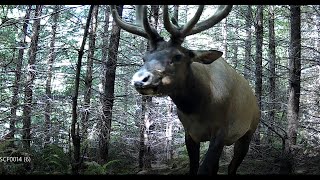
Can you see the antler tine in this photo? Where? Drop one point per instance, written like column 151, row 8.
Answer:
column 167, row 23
column 139, row 14
column 186, row 29
column 132, row 28
column 151, row 32
column 220, row 14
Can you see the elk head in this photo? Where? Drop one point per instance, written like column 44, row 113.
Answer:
column 167, row 63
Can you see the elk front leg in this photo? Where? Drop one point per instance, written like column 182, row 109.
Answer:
column 193, row 149
column 210, row 164
column 241, row 148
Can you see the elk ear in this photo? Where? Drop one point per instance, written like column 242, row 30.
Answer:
column 206, row 57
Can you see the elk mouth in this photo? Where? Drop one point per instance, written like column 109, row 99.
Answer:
column 151, row 89
column 147, row 90
column 158, row 86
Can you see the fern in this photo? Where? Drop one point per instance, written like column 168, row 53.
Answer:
column 93, row 168
column 52, row 159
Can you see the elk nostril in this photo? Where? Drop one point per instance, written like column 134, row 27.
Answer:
column 146, row 78
column 138, row 84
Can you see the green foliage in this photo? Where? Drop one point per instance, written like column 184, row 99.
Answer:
column 12, row 169
column 51, row 160
column 93, row 168
column 3, row 147
column 16, row 165
column 111, row 164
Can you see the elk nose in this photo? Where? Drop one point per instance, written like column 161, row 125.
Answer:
column 138, row 84
column 141, row 79
column 143, row 82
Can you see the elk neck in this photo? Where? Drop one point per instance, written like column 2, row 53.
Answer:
column 193, row 92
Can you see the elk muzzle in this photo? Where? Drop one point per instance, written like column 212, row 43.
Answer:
column 145, row 82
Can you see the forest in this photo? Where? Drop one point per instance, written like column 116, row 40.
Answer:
column 67, row 105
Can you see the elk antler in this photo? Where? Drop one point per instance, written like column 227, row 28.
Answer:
column 142, row 28
column 192, row 27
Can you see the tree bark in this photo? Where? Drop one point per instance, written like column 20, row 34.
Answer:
column 74, row 123
column 88, row 78
column 142, row 129
column 169, row 123
column 317, row 100
column 169, row 132
column 16, row 86
column 103, row 153
column 149, row 118
column 235, row 47
column 145, row 152
column 109, row 87
column 235, row 55
column 52, row 56
column 258, row 59
column 294, row 89
column 125, row 105
column 272, row 74
column 294, row 74
column 31, row 74
column 224, row 34
column 105, row 46
column 247, row 56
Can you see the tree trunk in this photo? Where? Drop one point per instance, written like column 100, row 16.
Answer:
column 317, row 99
column 31, row 74
column 125, row 103
column 235, row 47
column 74, row 123
column 145, row 152
column 294, row 74
column 104, row 49
column 272, row 74
column 169, row 125
column 103, row 121
column 149, row 123
column 224, row 34
column 247, row 56
column 150, row 116
column 109, row 86
column 169, row 132
column 52, row 56
column 286, row 159
column 16, row 86
column 258, row 59
column 235, row 55
column 142, row 129
column 294, row 89
column 88, row 78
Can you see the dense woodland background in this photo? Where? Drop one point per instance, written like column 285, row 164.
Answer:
column 66, row 102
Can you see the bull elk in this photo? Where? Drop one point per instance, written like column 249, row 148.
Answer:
column 214, row 102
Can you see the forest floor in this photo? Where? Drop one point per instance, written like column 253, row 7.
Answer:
column 253, row 164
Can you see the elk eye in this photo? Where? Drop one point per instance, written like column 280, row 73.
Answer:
column 177, row 58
